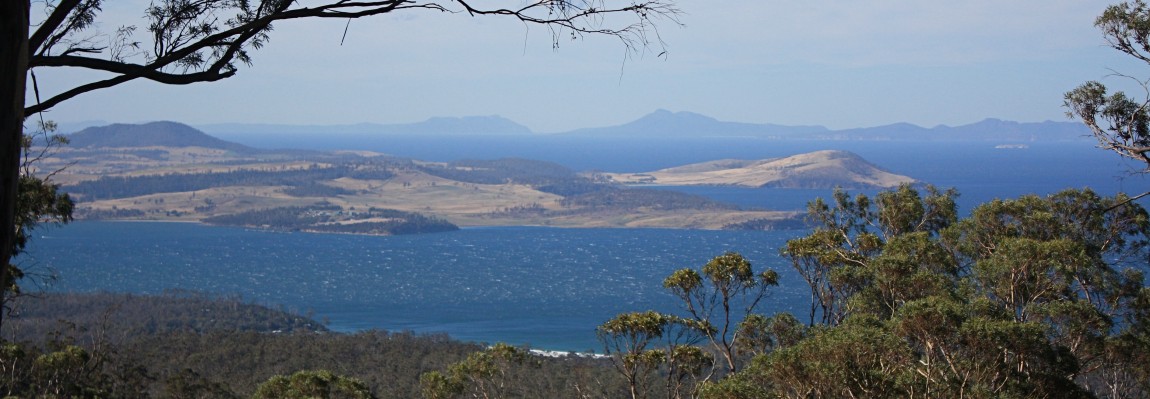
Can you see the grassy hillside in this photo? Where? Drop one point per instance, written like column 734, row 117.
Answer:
column 820, row 169
column 167, row 171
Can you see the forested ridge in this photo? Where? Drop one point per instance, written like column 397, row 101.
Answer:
column 185, row 345
column 334, row 219
column 299, row 179
column 500, row 171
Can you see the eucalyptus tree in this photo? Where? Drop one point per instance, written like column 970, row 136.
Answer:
column 313, row 384
column 39, row 201
column 487, row 374
column 1026, row 297
column 1119, row 121
column 631, row 340
column 837, row 259
column 727, row 288
column 186, row 42
column 1071, row 266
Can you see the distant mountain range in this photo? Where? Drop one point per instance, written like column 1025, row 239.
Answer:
column 663, row 123
column 470, row 125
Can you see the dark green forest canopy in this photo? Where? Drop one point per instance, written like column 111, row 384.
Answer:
column 186, row 344
column 334, row 219
column 301, row 179
column 1027, row 297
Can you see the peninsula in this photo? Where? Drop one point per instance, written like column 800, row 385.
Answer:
column 819, row 169
column 172, row 172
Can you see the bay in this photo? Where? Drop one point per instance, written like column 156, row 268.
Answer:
column 543, row 287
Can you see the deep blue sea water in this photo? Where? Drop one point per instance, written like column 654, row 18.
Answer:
column 545, row 287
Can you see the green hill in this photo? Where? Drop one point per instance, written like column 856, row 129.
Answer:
column 153, row 134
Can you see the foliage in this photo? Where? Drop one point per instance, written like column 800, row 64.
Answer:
column 334, row 219
column 856, row 359
column 711, row 298
column 1120, row 122
column 766, row 224
column 315, row 189
column 495, row 372
column 643, row 343
column 834, row 259
column 1029, row 297
column 308, row 384
column 617, row 198
column 66, row 371
column 88, row 315
column 626, row 339
column 185, row 345
column 759, row 335
column 204, row 41
column 109, row 187
column 501, row 171
column 39, row 201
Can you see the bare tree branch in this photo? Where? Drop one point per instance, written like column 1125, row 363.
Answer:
column 189, row 35
column 59, row 14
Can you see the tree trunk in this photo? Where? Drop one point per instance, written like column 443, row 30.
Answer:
column 13, row 76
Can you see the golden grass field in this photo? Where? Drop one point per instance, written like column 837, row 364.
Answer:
column 464, row 204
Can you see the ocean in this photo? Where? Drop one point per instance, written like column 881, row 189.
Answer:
column 543, row 287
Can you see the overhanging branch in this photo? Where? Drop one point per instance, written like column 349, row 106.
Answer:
column 59, row 14
column 208, row 76
column 210, row 57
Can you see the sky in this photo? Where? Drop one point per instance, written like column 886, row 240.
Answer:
column 836, row 63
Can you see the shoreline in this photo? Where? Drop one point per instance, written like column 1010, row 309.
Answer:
column 588, row 224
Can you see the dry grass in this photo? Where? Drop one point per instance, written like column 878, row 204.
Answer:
column 465, row 204
column 790, row 171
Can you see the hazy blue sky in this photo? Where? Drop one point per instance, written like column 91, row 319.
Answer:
column 840, row 64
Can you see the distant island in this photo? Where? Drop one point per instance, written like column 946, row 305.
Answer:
column 820, row 169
